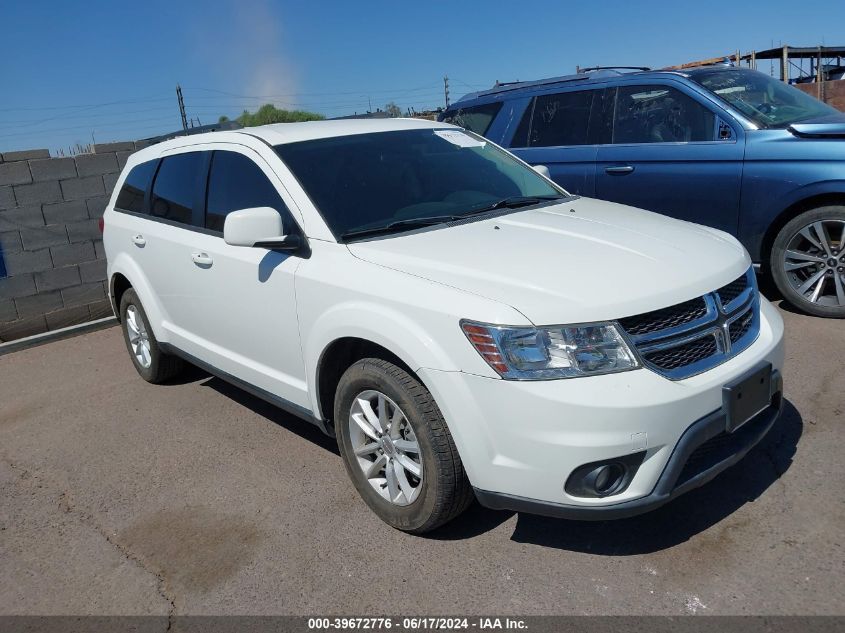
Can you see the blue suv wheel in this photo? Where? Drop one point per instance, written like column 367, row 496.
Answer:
column 808, row 261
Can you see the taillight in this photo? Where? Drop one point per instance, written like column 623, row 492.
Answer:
column 102, row 224
column 483, row 342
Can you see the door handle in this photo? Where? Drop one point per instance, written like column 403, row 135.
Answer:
column 139, row 240
column 202, row 259
column 619, row 170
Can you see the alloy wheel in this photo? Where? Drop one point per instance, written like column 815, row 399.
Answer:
column 814, row 263
column 386, row 447
column 139, row 339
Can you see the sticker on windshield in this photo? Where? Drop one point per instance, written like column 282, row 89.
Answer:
column 461, row 139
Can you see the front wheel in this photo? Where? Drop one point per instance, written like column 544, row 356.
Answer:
column 808, row 261
column 397, row 448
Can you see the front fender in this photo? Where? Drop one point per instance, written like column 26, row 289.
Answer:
column 396, row 331
column 824, row 187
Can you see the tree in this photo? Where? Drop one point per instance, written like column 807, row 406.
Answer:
column 223, row 119
column 393, row 110
column 269, row 113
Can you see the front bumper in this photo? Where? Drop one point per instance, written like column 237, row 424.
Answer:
column 520, row 441
column 704, row 450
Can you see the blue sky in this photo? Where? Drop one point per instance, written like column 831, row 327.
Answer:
column 72, row 69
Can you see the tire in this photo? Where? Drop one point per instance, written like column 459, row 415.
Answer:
column 808, row 261
column 442, row 491
column 152, row 364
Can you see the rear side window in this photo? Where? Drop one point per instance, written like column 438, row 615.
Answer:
column 134, row 189
column 235, row 183
column 660, row 114
column 475, row 119
column 556, row 119
column 175, row 187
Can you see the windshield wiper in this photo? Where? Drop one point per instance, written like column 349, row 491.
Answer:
column 401, row 224
column 514, row 202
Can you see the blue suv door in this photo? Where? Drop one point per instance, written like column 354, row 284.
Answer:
column 669, row 150
column 555, row 130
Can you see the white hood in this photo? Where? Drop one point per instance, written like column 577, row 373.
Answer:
column 579, row 261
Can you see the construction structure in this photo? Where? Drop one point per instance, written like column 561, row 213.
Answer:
column 823, row 77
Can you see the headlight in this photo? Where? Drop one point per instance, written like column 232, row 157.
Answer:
column 544, row 353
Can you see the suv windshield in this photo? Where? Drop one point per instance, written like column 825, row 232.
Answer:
column 397, row 181
column 766, row 101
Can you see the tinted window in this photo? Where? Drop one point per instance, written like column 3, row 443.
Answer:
column 659, row 114
column 364, row 181
column 131, row 196
column 175, row 187
column 475, row 119
column 236, row 182
column 557, row 119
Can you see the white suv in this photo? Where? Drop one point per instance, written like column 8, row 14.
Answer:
column 463, row 326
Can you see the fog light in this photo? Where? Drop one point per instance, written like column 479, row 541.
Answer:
column 607, row 478
column 604, row 478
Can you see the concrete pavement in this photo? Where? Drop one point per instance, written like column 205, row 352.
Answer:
column 119, row 497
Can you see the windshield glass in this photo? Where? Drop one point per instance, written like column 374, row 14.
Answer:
column 366, row 181
column 763, row 99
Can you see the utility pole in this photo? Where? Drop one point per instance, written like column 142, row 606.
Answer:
column 446, row 90
column 181, row 107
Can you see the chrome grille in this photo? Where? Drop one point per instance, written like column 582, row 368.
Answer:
column 691, row 337
column 731, row 291
column 684, row 354
column 673, row 316
column 740, row 327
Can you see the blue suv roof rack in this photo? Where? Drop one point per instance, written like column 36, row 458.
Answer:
column 594, row 68
column 582, row 75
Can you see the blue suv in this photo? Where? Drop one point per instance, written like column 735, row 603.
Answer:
column 728, row 147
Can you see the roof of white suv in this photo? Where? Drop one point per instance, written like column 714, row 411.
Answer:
column 279, row 133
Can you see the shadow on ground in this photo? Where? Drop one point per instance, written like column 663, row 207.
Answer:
column 663, row 528
column 296, row 425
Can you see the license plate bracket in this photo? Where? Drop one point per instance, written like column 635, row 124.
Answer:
column 747, row 396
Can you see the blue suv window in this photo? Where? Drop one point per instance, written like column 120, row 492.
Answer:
column 556, row 119
column 660, row 114
column 475, row 119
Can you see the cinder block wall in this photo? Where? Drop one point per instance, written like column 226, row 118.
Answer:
column 52, row 264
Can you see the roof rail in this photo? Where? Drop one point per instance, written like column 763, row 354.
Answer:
column 578, row 69
column 200, row 129
column 504, row 86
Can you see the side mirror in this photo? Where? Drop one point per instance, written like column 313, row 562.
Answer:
column 260, row 226
column 543, row 171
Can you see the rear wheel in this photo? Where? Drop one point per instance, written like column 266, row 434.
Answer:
column 151, row 363
column 397, row 448
column 808, row 261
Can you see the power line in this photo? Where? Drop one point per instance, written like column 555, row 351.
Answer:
column 362, row 92
column 88, row 127
column 313, row 94
column 99, row 116
column 83, row 105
